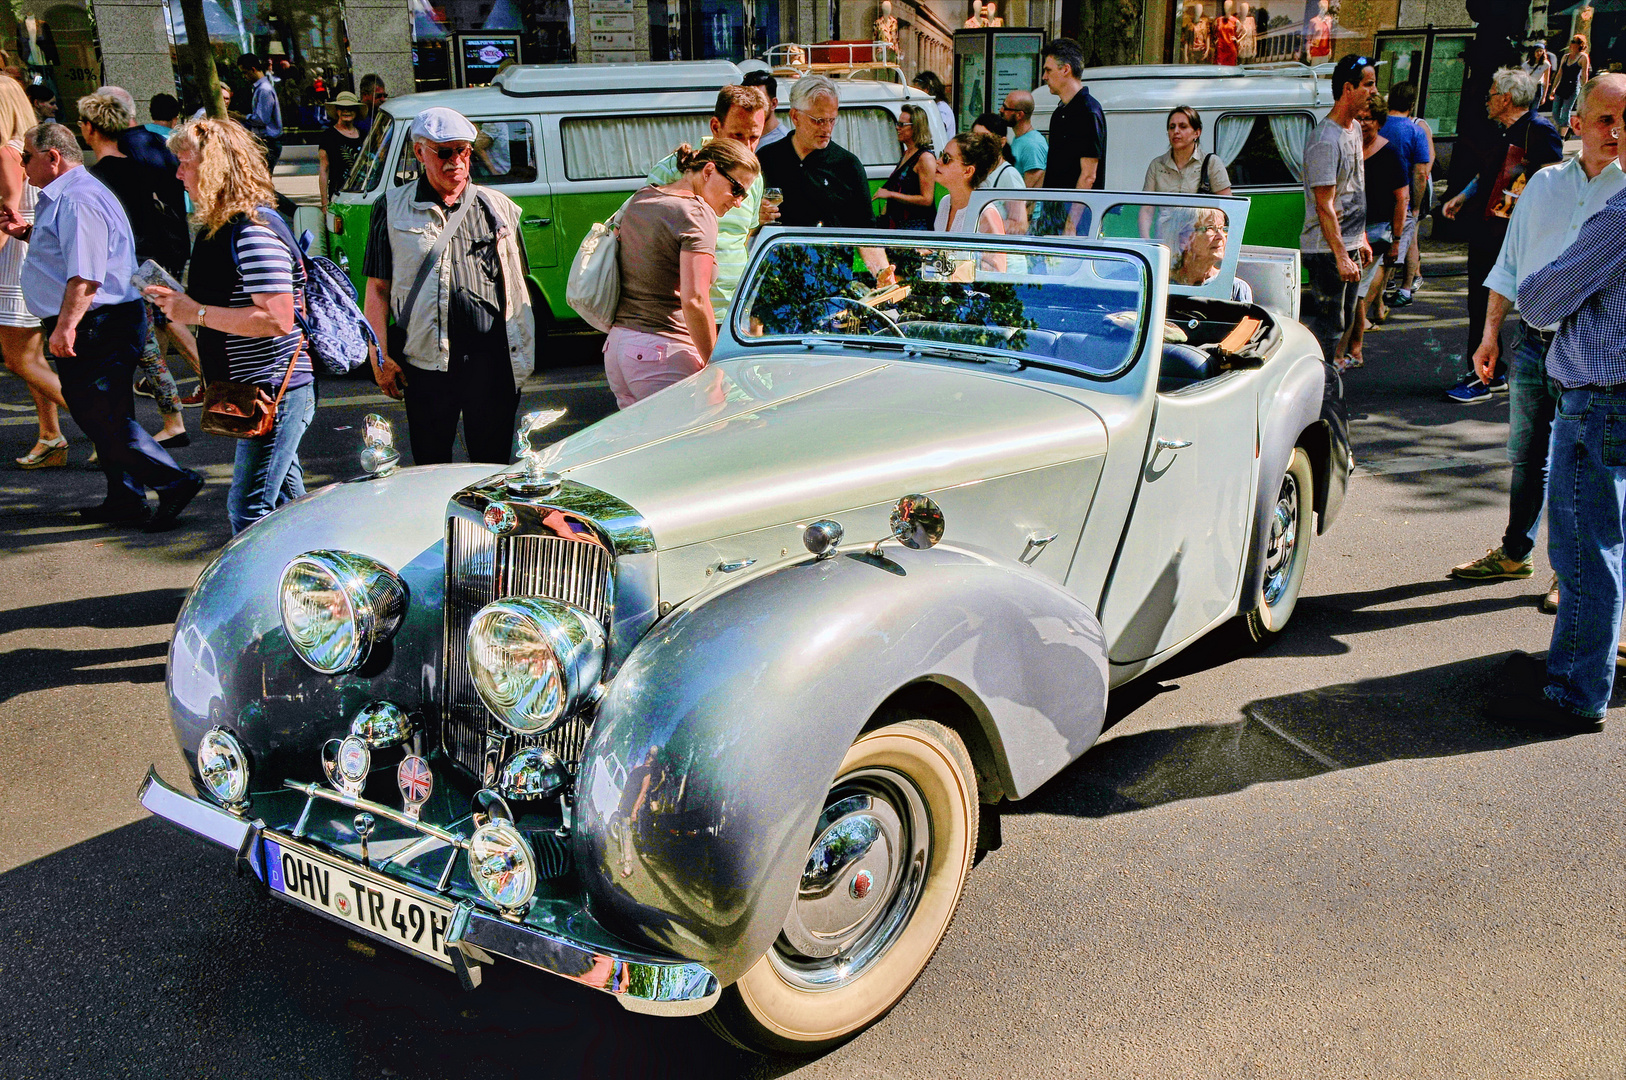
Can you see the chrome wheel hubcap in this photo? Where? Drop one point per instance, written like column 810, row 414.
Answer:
column 863, row 877
column 1284, row 534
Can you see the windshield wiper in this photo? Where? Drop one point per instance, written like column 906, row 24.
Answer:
column 889, row 344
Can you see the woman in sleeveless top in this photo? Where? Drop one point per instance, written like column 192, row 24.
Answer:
column 21, row 342
column 1573, row 69
column 910, row 190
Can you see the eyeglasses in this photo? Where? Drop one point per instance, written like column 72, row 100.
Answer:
column 733, row 185
column 821, row 121
column 905, row 123
column 946, row 160
column 1215, row 230
column 447, row 153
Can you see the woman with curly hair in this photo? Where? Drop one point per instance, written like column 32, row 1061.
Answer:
column 664, row 329
column 245, row 285
column 102, row 119
column 21, row 342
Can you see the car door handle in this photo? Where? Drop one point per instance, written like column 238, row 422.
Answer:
column 539, row 222
column 1173, row 444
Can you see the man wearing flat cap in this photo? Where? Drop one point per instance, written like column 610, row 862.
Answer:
column 446, row 264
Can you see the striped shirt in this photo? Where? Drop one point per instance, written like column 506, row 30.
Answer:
column 265, row 266
column 1585, row 290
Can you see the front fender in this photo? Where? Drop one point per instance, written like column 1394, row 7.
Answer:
column 718, row 740
column 230, row 662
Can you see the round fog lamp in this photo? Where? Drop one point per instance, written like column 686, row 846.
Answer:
column 338, row 606
column 223, row 766
column 534, row 661
column 501, row 863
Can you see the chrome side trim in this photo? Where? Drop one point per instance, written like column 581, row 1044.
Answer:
column 642, row 983
column 214, row 823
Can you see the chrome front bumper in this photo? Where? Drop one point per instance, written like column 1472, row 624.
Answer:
column 639, row 982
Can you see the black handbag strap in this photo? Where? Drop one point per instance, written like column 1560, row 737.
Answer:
column 1205, row 182
column 427, row 267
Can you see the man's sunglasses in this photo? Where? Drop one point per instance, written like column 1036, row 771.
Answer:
column 447, row 153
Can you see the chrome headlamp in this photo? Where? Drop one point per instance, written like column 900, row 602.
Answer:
column 502, row 865
column 223, row 767
column 338, row 606
column 534, row 661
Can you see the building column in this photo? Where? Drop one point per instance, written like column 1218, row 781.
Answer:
column 135, row 49
column 380, row 35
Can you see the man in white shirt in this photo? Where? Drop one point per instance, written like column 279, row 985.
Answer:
column 1555, row 203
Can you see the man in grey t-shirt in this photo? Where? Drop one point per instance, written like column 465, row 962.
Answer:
column 1334, row 237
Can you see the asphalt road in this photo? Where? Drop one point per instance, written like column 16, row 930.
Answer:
column 1311, row 860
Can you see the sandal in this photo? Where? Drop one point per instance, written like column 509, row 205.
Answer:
column 1354, row 360
column 46, row 454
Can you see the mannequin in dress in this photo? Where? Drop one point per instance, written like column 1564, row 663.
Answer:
column 990, row 15
column 1247, row 35
column 1188, row 35
column 1201, row 43
column 886, row 27
column 1321, row 36
column 1226, row 28
column 974, row 20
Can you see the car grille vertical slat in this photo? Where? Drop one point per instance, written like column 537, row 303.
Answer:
column 481, row 568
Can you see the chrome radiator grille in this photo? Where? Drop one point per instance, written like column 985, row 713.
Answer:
column 480, row 568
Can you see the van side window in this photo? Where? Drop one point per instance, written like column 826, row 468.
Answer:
column 406, row 165
column 626, row 147
column 869, row 131
column 1263, row 149
column 504, row 152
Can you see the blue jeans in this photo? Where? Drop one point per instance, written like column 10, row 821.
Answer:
column 267, row 472
column 1587, row 504
column 1532, row 397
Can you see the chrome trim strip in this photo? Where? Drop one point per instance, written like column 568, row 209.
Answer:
column 200, row 818
column 639, row 982
column 316, row 791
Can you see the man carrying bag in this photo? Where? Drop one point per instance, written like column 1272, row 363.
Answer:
column 446, row 262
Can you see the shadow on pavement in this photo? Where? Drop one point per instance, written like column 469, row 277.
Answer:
column 195, row 976
column 1433, row 712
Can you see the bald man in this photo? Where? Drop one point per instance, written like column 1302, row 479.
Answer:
column 1027, row 145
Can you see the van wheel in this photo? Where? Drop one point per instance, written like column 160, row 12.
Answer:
column 883, row 877
column 1287, row 551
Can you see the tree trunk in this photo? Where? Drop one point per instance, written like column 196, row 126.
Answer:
column 199, row 58
column 1107, row 30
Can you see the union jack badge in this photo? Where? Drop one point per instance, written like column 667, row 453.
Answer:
column 415, row 780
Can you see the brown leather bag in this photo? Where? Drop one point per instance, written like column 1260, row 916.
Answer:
column 244, row 410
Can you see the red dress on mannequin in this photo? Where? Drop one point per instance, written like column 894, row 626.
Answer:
column 1225, row 31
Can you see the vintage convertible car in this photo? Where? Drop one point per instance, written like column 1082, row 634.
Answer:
column 693, row 707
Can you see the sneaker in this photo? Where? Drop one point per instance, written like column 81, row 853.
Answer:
column 1498, row 384
column 1495, row 565
column 1417, row 283
column 1549, row 600
column 194, row 399
column 1402, row 298
column 1469, row 393
column 1522, row 702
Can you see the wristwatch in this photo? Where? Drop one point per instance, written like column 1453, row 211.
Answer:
column 203, row 309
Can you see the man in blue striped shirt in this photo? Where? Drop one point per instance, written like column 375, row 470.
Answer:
column 1584, row 291
column 76, row 279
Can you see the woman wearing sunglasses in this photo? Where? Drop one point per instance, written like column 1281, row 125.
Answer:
column 664, row 328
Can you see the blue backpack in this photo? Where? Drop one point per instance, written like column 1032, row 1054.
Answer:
column 336, row 331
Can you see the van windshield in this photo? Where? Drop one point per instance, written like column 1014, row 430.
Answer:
column 369, row 165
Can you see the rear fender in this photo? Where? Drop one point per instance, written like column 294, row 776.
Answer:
column 716, row 744
column 1293, row 410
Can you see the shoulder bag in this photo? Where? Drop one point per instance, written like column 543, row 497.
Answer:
column 1205, row 184
column 244, row 410
column 593, row 289
column 397, row 332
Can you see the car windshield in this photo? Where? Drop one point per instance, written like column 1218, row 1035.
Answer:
column 1064, row 307
column 369, row 164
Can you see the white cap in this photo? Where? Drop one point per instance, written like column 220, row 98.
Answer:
column 441, row 124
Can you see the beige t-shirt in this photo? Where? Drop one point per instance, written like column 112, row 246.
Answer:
column 655, row 228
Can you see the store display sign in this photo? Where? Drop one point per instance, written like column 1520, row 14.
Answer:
column 610, row 22
column 624, row 6
column 601, row 40
column 1016, row 64
column 480, row 57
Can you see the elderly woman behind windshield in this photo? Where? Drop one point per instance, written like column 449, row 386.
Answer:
column 244, row 285
column 1200, row 237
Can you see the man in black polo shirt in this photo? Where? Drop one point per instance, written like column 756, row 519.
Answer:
column 824, row 184
column 1078, row 130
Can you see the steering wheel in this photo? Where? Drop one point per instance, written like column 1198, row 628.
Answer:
column 848, row 302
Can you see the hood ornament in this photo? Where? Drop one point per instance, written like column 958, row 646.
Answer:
column 534, row 457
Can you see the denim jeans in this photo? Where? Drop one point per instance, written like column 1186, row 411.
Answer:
column 1532, row 397
column 1329, row 299
column 267, row 472
column 1586, row 503
column 96, row 386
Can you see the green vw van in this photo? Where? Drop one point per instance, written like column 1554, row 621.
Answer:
column 570, row 142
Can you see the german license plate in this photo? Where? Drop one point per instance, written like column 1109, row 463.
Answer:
column 361, row 900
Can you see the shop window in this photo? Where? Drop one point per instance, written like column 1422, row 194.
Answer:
column 625, row 147
column 1447, row 68
column 1263, row 150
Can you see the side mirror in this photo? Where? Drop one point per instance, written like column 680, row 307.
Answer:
column 917, row 522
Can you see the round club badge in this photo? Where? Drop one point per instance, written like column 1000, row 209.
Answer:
column 500, row 518
column 354, row 759
column 415, row 780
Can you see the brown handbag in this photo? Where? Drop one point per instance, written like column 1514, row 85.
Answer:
column 244, row 410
